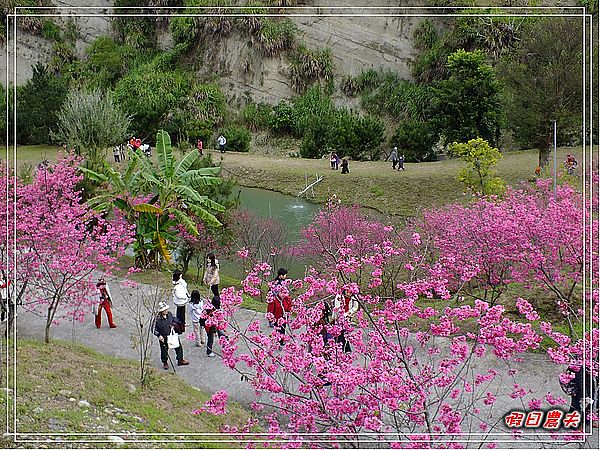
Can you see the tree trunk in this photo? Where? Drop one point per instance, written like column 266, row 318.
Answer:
column 47, row 330
column 544, row 157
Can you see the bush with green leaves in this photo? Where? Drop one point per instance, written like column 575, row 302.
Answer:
column 136, row 31
column 469, row 103
column 107, row 61
column 92, row 121
column 354, row 136
column 148, row 95
column 38, row 102
column 415, row 140
column 282, row 118
column 384, row 93
column 314, row 106
column 51, row 31
column 479, row 175
column 238, row 138
column 272, row 37
column 257, row 116
column 309, row 66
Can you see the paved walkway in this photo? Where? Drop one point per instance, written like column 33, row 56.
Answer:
column 535, row 373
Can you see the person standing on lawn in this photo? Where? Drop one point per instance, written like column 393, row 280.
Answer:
column 394, row 158
column 222, row 141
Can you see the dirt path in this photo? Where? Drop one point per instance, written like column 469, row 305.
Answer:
column 536, row 374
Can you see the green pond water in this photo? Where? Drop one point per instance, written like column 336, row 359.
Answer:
column 295, row 213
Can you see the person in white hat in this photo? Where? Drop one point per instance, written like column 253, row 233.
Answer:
column 162, row 328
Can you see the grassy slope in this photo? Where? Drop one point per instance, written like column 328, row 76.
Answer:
column 374, row 184
column 165, row 406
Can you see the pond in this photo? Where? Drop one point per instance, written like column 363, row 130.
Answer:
column 295, row 213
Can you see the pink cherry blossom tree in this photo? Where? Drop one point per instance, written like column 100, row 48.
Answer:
column 60, row 242
column 419, row 365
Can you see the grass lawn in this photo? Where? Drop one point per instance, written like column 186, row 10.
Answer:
column 374, row 184
column 53, row 379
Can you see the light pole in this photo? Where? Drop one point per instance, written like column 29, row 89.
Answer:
column 554, row 121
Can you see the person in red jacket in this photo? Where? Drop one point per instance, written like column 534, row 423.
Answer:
column 105, row 303
column 279, row 302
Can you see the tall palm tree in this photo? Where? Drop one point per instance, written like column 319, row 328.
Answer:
column 176, row 197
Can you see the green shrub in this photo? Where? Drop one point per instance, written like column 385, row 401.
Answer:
column 184, row 29
column 415, row 140
column 238, row 138
column 308, row 66
column 314, row 106
column 256, row 116
column 51, row 31
column 352, row 135
column 273, row 37
column 38, row 103
column 281, row 120
column 148, row 95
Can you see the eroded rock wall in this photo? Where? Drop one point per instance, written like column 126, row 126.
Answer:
column 356, row 43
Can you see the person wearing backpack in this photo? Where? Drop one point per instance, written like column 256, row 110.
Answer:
column 197, row 309
column 211, row 330
column 279, row 302
column 181, row 295
column 222, row 141
column 163, row 325
column 583, row 390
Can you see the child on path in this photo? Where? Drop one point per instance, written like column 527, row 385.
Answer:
column 105, row 303
column 197, row 309
column 401, row 163
column 199, row 145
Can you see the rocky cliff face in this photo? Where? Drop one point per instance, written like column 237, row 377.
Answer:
column 31, row 48
column 356, row 43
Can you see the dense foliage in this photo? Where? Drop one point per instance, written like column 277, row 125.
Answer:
column 416, row 140
column 468, row 102
column 38, row 104
column 544, row 82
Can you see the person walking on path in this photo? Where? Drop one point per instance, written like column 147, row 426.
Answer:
column 199, row 146
column 211, row 330
column 163, row 324
column 117, row 153
column 181, row 296
column 105, row 303
column 345, row 166
column 583, row 389
column 401, row 163
column 394, row 158
column 197, row 309
column 211, row 274
column 279, row 302
column 222, row 141
column 345, row 305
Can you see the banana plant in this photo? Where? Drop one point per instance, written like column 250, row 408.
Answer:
column 176, row 198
